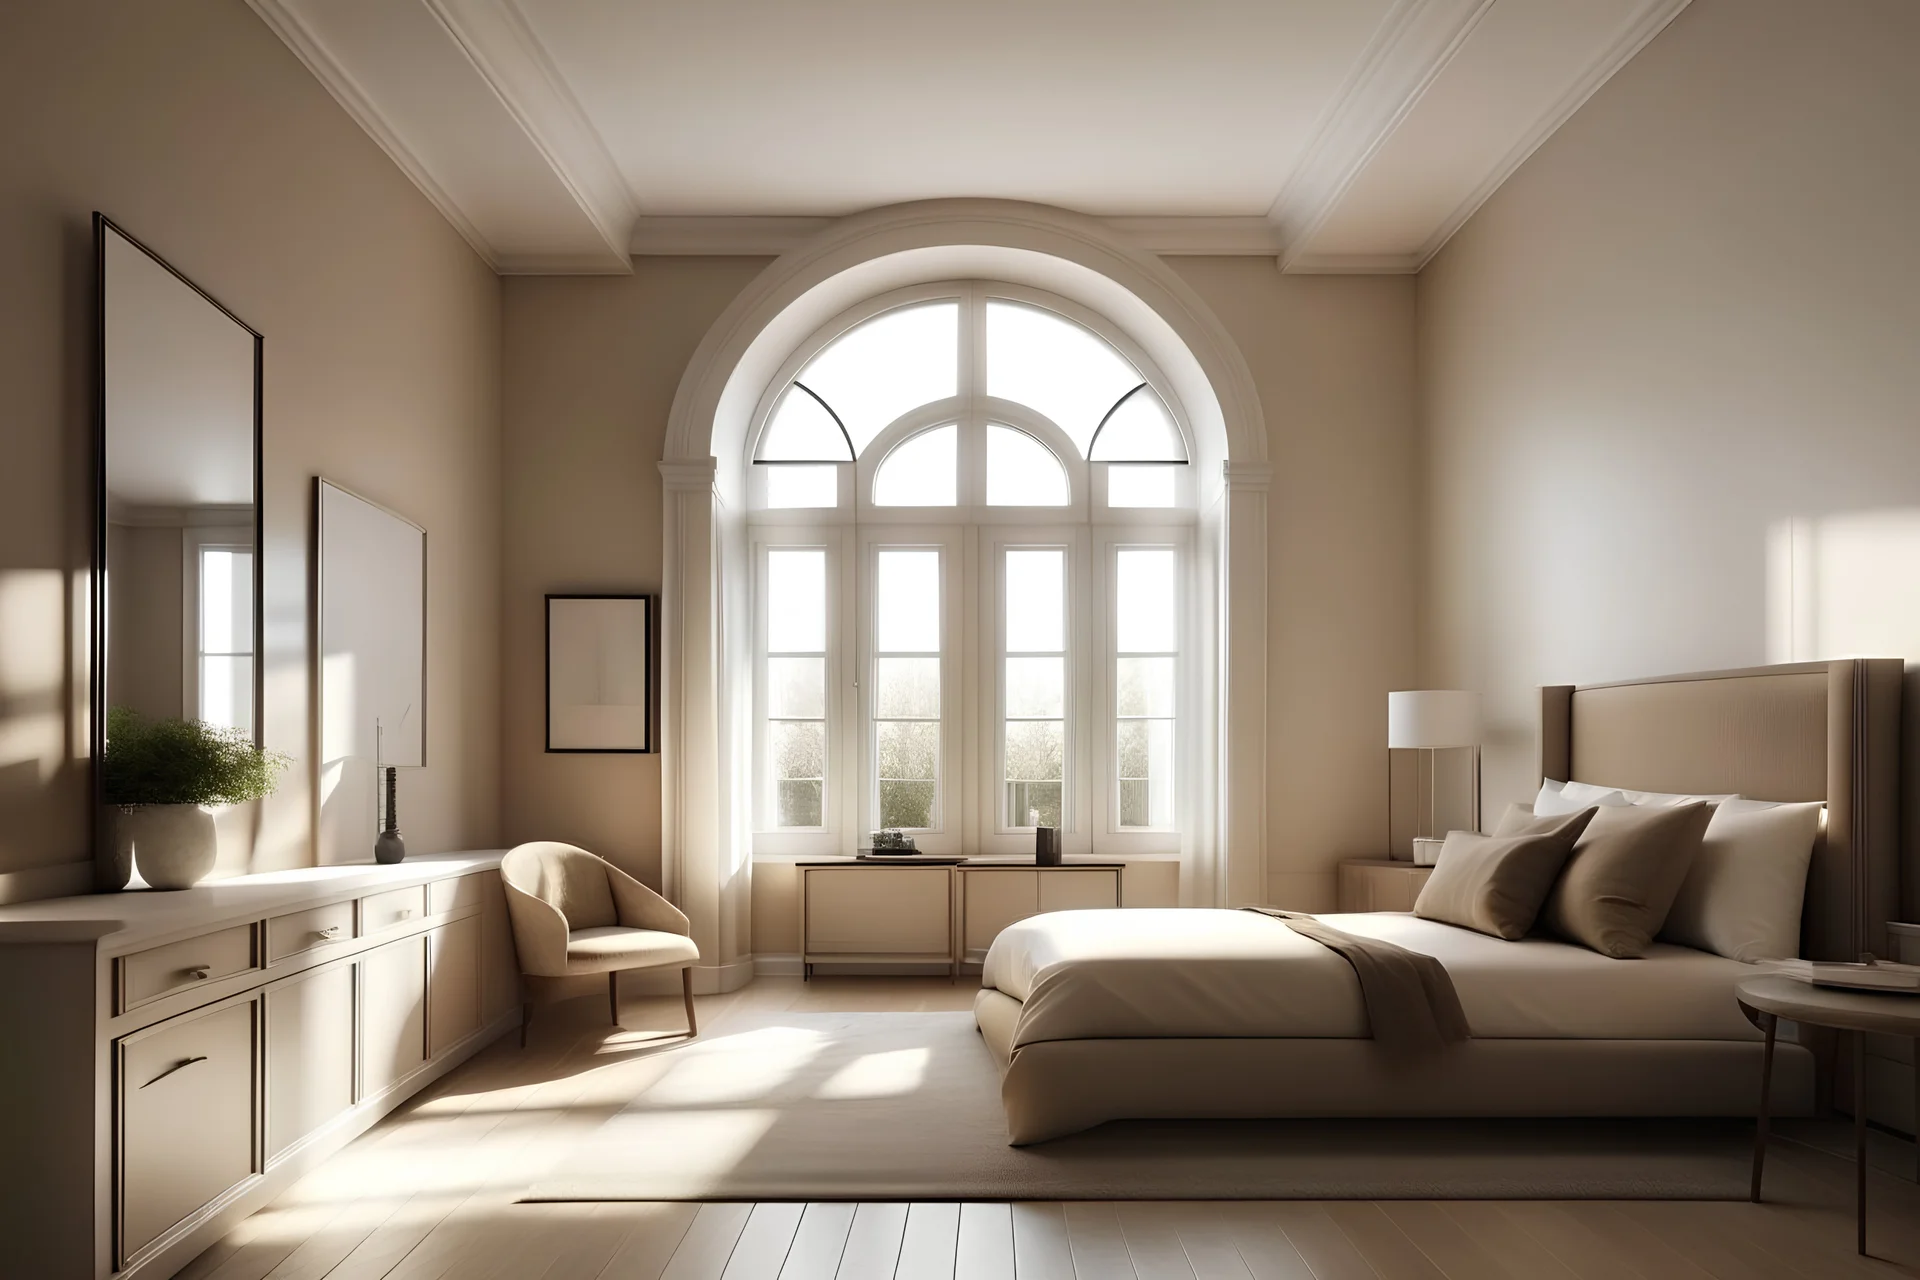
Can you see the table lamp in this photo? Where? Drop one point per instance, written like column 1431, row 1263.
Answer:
column 1432, row 720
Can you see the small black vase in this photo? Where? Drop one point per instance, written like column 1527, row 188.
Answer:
column 389, row 848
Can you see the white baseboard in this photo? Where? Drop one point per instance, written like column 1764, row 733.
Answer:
column 777, row 965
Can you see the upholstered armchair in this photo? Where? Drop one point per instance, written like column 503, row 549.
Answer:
column 575, row 913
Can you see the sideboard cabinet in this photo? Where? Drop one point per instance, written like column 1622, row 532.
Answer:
column 173, row 1060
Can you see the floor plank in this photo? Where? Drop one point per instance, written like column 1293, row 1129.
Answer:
column 1384, row 1245
column 985, row 1250
column 1099, row 1246
column 930, row 1243
column 1320, row 1242
column 761, row 1252
column 708, row 1244
column 1446, row 1244
column 1041, row 1250
column 873, row 1243
column 652, row 1243
column 819, row 1243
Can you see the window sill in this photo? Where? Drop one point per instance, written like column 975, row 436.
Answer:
column 987, row 859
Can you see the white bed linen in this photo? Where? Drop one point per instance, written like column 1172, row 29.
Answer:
column 1180, row 972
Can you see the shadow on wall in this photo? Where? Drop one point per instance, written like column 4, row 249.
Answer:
column 1848, row 585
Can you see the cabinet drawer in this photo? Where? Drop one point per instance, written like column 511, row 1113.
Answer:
column 145, row 976
column 381, row 911
column 299, row 931
column 186, row 1098
column 462, row 893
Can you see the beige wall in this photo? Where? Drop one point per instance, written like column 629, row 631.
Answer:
column 591, row 365
column 591, row 368
column 191, row 125
column 1669, row 372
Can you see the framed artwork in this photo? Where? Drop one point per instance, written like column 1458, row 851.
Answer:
column 601, row 664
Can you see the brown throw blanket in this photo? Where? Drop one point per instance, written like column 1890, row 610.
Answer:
column 1410, row 998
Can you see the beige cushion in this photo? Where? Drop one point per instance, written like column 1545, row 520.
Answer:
column 1743, row 894
column 599, row 950
column 1625, row 872
column 1495, row 884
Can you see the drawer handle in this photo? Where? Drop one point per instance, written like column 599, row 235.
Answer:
column 405, row 913
column 184, row 1062
column 198, row 972
column 327, row 934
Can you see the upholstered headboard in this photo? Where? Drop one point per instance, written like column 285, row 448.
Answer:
column 1803, row 731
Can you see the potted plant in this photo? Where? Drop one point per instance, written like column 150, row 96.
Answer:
column 161, row 774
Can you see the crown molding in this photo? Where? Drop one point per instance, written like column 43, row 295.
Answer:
column 328, row 70
column 723, row 235
column 1648, row 20
column 1414, row 44
column 1352, row 264
column 497, row 39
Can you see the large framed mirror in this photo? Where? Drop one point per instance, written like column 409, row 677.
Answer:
column 176, row 583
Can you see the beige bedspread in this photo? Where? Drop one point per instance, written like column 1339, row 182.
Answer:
column 1192, row 973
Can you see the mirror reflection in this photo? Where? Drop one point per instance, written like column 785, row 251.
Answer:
column 179, row 495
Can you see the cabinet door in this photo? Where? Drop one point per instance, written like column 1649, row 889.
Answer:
column 1077, row 890
column 499, row 966
column 995, row 899
column 453, row 984
column 309, row 1054
column 393, row 1014
column 904, row 912
column 186, row 1095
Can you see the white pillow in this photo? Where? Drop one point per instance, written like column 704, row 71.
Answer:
column 1557, row 798
column 1663, row 798
column 1743, row 894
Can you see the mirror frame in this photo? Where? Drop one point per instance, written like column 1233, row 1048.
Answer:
column 97, row 587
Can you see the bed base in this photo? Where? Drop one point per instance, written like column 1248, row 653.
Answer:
column 1064, row 1086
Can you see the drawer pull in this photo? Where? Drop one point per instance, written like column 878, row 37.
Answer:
column 198, row 973
column 405, row 913
column 184, row 1062
column 327, row 934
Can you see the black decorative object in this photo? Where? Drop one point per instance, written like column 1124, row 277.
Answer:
column 390, row 848
column 1046, row 846
column 891, row 843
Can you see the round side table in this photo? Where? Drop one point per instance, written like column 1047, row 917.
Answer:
column 1769, row 999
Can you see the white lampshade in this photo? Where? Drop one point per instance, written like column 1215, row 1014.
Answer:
column 1433, row 718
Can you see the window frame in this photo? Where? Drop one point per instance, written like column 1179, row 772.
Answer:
column 826, row 838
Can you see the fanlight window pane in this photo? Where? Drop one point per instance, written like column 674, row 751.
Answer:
column 921, row 471
column 801, row 430
column 1140, row 486
column 1049, row 363
column 794, row 486
column 1139, row 430
column 1022, row 472
column 897, row 361
column 797, row 600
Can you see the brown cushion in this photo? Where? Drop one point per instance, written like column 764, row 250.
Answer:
column 1495, row 884
column 1625, row 872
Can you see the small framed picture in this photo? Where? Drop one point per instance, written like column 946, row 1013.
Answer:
column 600, row 673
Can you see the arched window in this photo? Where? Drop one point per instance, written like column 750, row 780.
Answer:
column 981, row 492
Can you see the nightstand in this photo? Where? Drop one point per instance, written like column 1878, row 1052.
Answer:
column 1378, row 884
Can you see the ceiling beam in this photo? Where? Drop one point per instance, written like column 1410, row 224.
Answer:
column 1413, row 45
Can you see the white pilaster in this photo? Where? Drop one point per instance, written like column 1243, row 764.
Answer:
column 1242, row 861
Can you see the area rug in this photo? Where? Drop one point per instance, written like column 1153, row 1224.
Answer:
column 906, row 1106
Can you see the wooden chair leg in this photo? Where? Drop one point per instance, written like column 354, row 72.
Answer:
column 686, row 990
column 526, row 1020
column 613, row 995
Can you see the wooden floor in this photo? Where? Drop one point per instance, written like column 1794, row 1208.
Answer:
column 430, row 1193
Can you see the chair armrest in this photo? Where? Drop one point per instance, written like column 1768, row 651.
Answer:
column 642, row 908
column 539, row 934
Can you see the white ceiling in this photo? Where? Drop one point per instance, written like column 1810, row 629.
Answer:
column 1337, row 135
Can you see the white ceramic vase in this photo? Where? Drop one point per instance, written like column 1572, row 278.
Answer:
column 173, row 844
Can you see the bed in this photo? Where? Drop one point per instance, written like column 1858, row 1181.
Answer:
column 1198, row 1013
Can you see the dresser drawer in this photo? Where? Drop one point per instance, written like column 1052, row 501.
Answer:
column 389, row 910
column 186, row 1099
column 302, row 931
column 461, row 893
column 145, row 976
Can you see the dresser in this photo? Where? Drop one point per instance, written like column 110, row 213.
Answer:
column 174, row 1060
column 906, row 914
